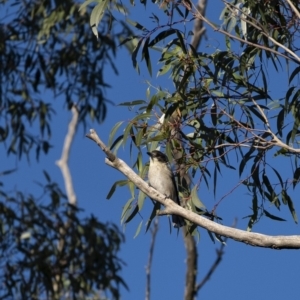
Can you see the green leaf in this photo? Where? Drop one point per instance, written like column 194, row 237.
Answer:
column 138, row 230
column 141, row 200
column 161, row 36
column 117, row 143
column 128, row 39
column 294, row 73
column 211, row 236
column 97, row 14
column 264, row 80
column 287, row 199
column 47, row 176
column 272, row 195
column 139, row 136
column 245, row 159
column 137, row 25
column 114, row 186
column 126, row 209
column 253, row 217
column 182, row 43
column 134, row 54
column 267, row 214
column 132, row 214
column 195, row 198
column 156, row 207
column 288, row 137
column 145, row 54
column 7, row 172
column 295, row 130
column 113, row 132
column 132, row 103
column 255, row 176
column 280, row 121
column 296, row 177
column 278, row 176
column 128, row 129
column 287, row 97
column 215, row 177
column 164, row 69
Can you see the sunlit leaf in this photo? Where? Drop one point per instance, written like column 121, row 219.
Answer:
column 138, row 230
column 97, row 14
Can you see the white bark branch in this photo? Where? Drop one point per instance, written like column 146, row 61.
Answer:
column 62, row 163
column 293, row 8
column 250, row 238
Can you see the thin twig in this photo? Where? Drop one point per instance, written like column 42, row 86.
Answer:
column 151, row 251
column 220, row 253
column 197, row 14
column 213, row 268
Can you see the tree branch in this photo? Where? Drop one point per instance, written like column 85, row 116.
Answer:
column 250, row 238
column 199, row 29
column 293, row 8
column 213, row 267
column 197, row 14
column 148, row 267
column 62, row 163
column 191, row 270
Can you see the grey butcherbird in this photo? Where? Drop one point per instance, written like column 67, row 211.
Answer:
column 162, row 179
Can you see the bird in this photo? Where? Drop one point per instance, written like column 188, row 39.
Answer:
column 162, row 179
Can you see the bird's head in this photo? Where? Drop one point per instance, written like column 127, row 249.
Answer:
column 156, row 155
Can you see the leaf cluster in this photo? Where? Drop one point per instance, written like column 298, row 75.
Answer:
column 47, row 50
column 221, row 114
column 48, row 250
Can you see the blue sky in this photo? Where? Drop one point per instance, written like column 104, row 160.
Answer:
column 245, row 273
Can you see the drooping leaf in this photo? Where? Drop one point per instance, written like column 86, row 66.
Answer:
column 195, row 198
column 113, row 132
column 97, row 14
column 138, row 230
column 296, row 177
column 134, row 55
column 267, row 214
column 294, row 73
column 280, row 121
column 132, row 214
column 145, row 54
column 253, row 217
column 156, row 207
column 161, row 36
column 114, row 186
column 272, row 195
column 287, row 200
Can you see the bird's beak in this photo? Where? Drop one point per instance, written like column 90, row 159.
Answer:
column 150, row 154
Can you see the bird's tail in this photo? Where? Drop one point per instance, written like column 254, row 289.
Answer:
column 178, row 221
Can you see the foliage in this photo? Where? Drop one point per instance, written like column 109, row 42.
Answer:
column 46, row 48
column 49, row 251
column 222, row 113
